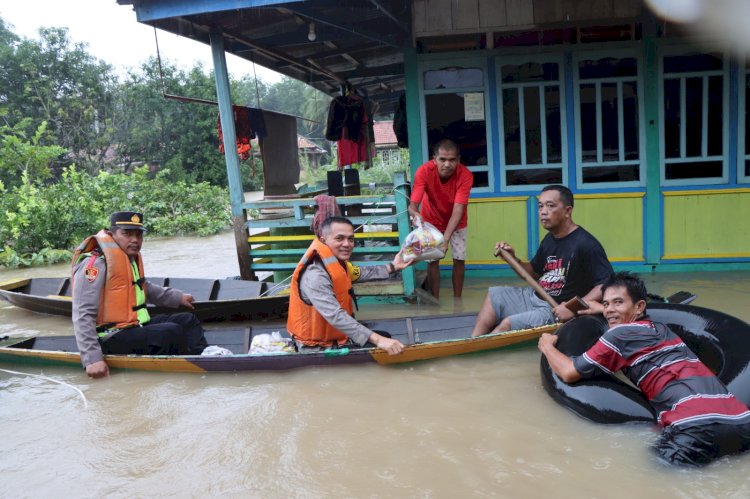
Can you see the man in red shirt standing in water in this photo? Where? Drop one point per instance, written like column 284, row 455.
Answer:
column 441, row 190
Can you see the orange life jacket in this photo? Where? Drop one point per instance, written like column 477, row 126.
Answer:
column 304, row 323
column 117, row 306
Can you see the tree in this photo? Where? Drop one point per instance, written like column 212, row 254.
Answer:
column 54, row 80
column 25, row 158
column 179, row 136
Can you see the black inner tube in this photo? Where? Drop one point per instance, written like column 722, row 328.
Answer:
column 721, row 341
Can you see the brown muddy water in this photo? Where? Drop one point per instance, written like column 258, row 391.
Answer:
column 471, row 426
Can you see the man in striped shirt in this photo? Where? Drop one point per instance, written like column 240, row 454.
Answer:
column 702, row 420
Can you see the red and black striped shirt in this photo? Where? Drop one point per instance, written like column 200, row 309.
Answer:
column 678, row 385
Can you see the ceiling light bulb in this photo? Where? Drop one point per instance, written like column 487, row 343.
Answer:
column 311, row 35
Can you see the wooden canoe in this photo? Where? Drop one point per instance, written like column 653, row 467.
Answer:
column 215, row 299
column 425, row 338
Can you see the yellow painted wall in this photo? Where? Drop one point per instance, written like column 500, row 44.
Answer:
column 616, row 220
column 491, row 220
column 707, row 224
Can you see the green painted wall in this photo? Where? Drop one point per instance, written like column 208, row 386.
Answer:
column 707, row 224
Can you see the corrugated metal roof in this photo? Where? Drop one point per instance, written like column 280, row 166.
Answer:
column 325, row 43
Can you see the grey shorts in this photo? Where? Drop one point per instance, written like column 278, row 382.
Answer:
column 522, row 305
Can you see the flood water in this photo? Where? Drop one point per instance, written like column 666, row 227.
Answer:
column 472, row 426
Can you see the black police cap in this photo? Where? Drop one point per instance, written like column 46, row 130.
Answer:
column 127, row 220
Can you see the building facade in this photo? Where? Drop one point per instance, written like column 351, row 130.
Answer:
column 647, row 124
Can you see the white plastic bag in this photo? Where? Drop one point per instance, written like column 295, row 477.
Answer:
column 423, row 243
column 270, row 343
column 216, row 351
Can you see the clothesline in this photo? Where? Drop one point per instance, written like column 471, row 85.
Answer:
column 196, row 100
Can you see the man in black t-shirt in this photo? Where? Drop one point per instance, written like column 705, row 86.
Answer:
column 569, row 262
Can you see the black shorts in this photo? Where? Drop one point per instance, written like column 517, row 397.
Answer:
column 697, row 445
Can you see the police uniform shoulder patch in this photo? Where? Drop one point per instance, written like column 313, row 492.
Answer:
column 91, row 274
column 354, row 271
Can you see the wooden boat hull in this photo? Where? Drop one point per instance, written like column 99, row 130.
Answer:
column 425, row 338
column 216, row 299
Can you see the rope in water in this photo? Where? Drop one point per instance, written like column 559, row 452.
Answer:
column 85, row 402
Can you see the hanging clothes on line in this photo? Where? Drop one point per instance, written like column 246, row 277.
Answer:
column 242, row 130
column 345, row 112
column 257, row 123
column 400, row 126
column 349, row 125
column 351, row 152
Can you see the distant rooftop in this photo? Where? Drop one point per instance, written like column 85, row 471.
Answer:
column 308, row 145
column 384, row 135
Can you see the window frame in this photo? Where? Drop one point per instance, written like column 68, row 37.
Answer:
column 629, row 53
column 742, row 124
column 681, row 50
column 540, row 58
column 438, row 63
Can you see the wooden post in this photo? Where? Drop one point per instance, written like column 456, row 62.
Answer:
column 236, row 194
column 352, row 188
column 239, row 225
column 401, row 193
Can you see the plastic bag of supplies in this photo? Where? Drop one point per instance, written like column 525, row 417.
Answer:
column 423, row 243
column 270, row 343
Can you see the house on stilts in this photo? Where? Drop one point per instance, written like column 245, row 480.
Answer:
column 646, row 120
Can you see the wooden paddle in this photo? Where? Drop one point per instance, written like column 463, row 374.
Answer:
column 574, row 304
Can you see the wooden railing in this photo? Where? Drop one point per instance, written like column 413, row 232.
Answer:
column 289, row 233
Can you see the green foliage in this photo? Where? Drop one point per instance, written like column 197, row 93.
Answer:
column 178, row 136
column 55, row 81
column 37, row 219
column 61, row 106
column 114, row 125
column 27, row 157
column 10, row 259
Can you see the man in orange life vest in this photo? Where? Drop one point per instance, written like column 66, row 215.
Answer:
column 321, row 304
column 109, row 301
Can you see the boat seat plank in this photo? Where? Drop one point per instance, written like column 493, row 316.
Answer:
column 396, row 328
column 61, row 291
column 231, row 339
column 246, row 339
column 199, row 288
column 44, row 287
column 233, row 289
column 14, row 284
column 56, row 343
column 440, row 329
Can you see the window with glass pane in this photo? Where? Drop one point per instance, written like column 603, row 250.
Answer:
column 446, row 120
column 448, row 115
column 743, row 164
column 693, row 119
column 608, row 132
column 530, row 94
column 453, row 77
